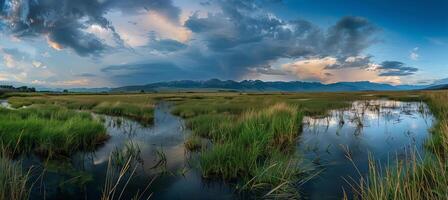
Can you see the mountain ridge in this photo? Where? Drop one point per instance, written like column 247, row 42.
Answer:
column 258, row 85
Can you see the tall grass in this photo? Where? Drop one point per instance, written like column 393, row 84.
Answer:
column 118, row 179
column 49, row 130
column 256, row 148
column 13, row 180
column 416, row 179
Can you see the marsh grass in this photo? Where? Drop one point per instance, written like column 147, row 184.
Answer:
column 49, row 131
column 14, row 181
column 137, row 107
column 255, row 148
column 118, row 179
column 193, row 143
column 130, row 150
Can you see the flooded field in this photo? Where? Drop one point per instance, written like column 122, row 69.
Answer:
column 340, row 144
column 161, row 159
column 337, row 146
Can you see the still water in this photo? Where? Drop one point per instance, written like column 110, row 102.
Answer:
column 386, row 130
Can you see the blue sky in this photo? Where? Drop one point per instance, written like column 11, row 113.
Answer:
column 95, row 43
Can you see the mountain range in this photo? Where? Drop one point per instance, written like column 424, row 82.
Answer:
column 257, row 85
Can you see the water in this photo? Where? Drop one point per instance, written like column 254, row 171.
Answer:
column 4, row 103
column 83, row 175
column 385, row 129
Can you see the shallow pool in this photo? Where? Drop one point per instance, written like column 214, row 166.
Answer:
column 339, row 145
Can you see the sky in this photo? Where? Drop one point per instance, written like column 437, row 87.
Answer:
column 111, row 43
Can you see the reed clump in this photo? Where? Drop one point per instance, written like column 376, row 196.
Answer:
column 49, row 131
column 14, row 181
column 256, row 147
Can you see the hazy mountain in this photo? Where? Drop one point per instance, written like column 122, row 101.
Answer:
column 257, row 85
column 437, row 87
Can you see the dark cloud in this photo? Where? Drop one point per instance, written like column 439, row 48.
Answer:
column 268, row 70
column 241, row 38
column 164, row 45
column 65, row 21
column 167, row 45
column 350, row 36
column 395, row 68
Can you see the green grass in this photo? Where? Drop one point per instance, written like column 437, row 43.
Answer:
column 193, row 143
column 137, row 107
column 14, row 183
column 244, row 148
column 49, row 130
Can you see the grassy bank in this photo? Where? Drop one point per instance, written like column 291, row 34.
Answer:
column 134, row 106
column 49, row 130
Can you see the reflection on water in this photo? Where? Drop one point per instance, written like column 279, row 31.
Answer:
column 83, row 175
column 4, row 103
column 386, row 129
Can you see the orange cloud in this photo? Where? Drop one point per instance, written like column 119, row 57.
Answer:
column 54, row 45
column 315, row 69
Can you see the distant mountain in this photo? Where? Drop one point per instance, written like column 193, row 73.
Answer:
column 437, row 87
column 257, row 85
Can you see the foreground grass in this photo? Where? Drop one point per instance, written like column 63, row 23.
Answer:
column 49, row 130
column 13, row 180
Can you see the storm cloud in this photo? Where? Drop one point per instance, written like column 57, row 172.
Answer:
column 242, row 38
column 64, row 22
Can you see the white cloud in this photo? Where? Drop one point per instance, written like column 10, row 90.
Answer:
column 9, row 61
column 311, row 69
column 414, row 54
column 134, row 29
column 67, row 83
column 38, row 64
column 46, row 54
column 105, row 35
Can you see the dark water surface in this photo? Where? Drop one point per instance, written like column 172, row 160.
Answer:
column 387, row 130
